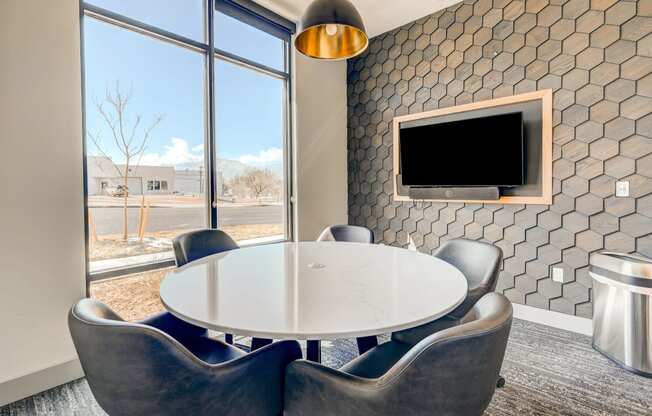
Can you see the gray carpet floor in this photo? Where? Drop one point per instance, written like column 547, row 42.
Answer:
column 548, row 372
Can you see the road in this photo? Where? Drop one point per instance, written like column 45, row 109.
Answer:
column 109, row 220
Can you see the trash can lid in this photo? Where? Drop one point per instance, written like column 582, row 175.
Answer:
column 631, row 269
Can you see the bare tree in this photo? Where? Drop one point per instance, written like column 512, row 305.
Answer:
column 257, row 183
column 126, row 135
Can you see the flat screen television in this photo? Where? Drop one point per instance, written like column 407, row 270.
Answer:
column 482, row 151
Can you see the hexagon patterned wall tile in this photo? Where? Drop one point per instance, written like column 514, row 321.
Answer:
column 597, row 58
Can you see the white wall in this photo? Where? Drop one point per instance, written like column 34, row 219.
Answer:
column 320, row 145
column 41, row 209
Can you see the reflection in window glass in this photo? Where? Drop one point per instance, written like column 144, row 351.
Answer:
column 250, row 130
column 143, row 193
column 246, row 41
column 183, row 17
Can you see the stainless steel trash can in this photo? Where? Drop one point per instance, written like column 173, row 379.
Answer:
column 622, row 309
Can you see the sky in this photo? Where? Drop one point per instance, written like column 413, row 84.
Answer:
column 168, row 81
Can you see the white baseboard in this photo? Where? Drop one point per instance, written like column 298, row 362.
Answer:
column 30, row 384
column 554, row 319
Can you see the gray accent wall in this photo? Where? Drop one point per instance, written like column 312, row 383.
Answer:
column 597, row 57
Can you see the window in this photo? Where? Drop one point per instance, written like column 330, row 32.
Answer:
column 157, row 90
column 183, row 17
column 157, row 185
column 166, row 153
column 257, row 180
column 234, row 36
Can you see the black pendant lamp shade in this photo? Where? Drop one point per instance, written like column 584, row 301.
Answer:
column 331, row 29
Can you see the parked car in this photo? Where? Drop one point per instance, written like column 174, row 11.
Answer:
column 119, row 191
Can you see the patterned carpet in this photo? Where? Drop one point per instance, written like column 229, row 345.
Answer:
column 548, row 372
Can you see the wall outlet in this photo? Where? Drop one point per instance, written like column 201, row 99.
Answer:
column 622, row 189
column 558, row 274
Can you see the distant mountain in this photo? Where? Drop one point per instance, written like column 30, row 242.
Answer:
column 232, row 168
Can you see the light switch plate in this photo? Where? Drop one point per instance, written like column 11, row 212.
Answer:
column 558, row 274
column 622, row 189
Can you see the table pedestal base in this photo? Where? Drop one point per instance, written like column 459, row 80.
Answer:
column 366, row 343
column 258, row 343
column 313, row 352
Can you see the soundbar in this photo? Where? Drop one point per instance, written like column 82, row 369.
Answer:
column 489, row 193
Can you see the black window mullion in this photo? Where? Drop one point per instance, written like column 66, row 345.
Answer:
column 212, row 140
column 288, row 139
column 257, row 16
column 238, row 60
column 142, row 28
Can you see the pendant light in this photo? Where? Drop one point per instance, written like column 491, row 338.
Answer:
column 331, row 29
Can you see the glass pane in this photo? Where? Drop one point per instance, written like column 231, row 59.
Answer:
column 250, row 130
column 145, row 117
column 241, row 39
column 183, row 17
column 132, row 296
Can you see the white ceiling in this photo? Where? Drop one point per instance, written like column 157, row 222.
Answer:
column 379, row 15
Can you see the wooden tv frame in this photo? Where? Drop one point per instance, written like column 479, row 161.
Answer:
column 545, row 96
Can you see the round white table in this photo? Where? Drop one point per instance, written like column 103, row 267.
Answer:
column 313, row 291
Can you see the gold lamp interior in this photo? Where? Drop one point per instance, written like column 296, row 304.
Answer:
column 332, row 41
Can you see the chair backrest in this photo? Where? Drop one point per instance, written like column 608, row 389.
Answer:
column 480, row 264
column 347, row 233
column 132, row 368
column 135, row 369
column 201, row 243
column 455, row 371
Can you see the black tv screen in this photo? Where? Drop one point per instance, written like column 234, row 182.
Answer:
column 483, row 151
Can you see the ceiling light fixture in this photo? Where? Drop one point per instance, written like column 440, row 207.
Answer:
column 332, row 29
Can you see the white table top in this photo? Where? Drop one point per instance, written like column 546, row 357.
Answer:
column 313, row 290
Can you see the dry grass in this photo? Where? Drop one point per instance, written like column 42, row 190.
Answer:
column 133, row 297
column 136, row 296
column 113, row 246
column 154, row 200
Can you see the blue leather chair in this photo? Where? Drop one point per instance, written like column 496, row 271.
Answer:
column 452, row 372
column 347, row 233
column 480, row 264
column 352, row 234
column 195, row 245
column 164, row 366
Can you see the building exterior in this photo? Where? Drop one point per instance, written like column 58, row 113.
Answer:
column 106, row 178
column 189, row 181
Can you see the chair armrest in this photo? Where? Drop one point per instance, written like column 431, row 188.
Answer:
column 472, row 297
column 311, row 388
column 277, row 354
column 413, row 336
column 259, row 376
column 174, row 326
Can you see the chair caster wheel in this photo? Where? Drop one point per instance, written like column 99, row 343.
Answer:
column 500, row 383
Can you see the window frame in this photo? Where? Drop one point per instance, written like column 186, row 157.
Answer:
column 249, row 13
